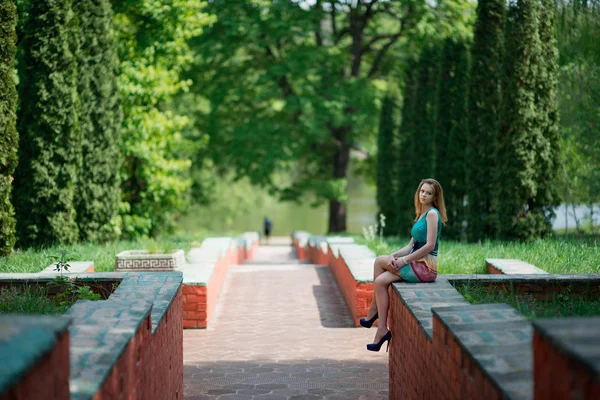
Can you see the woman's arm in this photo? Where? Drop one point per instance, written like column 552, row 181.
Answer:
column 432, row 228
column 405, row 250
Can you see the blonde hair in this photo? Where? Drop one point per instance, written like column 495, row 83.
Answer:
column 438, row 199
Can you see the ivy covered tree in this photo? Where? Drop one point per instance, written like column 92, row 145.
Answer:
column 49, row 153
column 97, row 199
column 388, row 157
column 8, row 132
column 453, row 130
column 521, row 138
column 485, row 101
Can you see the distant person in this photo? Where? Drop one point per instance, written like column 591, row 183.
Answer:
column 267, row 228
column 416, row 262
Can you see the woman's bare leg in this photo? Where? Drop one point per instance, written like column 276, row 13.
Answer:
column 378, row 269
column 382, row 283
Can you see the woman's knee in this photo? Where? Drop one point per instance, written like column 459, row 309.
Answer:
column 381, row 261
column 382, row 281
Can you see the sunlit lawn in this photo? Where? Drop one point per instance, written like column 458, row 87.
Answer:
column 556, row 255
column 103, row 255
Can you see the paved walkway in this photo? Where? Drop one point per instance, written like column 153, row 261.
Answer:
column 281, row 330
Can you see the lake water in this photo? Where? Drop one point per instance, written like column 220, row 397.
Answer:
column 286, row 216
column 246, row 212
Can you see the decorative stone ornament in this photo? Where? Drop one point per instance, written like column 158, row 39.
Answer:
column 142, row 260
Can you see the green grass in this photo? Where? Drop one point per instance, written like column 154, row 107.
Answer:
column 103, row 255
column 555, row 255
column 30, row 300
column 561, row 304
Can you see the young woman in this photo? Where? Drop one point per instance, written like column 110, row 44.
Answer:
column 416, row 262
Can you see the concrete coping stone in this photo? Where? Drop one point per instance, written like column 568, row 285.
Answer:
column 100, row 332
column 24, row 340
column 420, row 298
column 158, row 287
column 499, row 339
column 75, row 267
column 340, row 240
column 210, row 250
column 198, row 273
column 202, row 259
column 301, row 237
column 318, row 242
column 247, row 239
column 577, row 338
column 512, row 266
column 359, row 260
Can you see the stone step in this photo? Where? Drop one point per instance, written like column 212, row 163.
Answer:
column 511, row 267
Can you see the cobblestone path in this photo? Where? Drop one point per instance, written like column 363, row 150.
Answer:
column 281, row 330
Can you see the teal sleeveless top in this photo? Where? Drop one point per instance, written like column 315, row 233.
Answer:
column 419, row 233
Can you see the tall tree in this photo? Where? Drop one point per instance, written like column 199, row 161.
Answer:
column 292, row 87
column 8, row 131
column 407, row 175
column 521, row 136
column 453, row 130
column 579, row 96
column 97, row 197
column 426, row 110
column 388, row 157
column 45, row 179
column 153, row 52
column 548, row 163
column 485, row 101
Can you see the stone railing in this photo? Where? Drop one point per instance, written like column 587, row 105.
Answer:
column 130, row 345
column 205, row 273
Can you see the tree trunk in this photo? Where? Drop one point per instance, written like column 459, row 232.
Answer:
column 340, row 161
column 337, row 216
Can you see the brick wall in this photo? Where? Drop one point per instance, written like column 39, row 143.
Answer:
column 199, row 301
column 48, row 379
column 556, row 376
column 151, row 366
column 431, row 368
column 165, row 355
column 128, row 375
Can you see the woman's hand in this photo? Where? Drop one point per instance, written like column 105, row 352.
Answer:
column 392, row 264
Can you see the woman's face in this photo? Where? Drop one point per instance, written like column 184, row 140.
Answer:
column 426, row 194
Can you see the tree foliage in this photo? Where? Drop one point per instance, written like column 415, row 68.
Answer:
column 407, row 175
column 520, row 136
column 8, row 132
column 153, row 49
column 578, row 96
column 97, row 197
column 485, row 100
column 49, row 151
column 388, row 148
column 293, row 86
column 452, row 128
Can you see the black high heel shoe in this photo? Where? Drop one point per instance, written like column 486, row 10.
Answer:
column 367, row 323
column 377, row 346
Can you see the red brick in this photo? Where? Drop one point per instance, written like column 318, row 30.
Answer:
column 194, row 289
column 192, row 298
column 198, row 315
column 190, row 323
